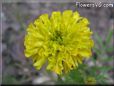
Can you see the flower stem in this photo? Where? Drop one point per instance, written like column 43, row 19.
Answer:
column 60, row 79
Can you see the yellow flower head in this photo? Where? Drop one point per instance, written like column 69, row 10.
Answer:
column 62, row 40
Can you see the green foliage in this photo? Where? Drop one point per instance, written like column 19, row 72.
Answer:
column 8, row 79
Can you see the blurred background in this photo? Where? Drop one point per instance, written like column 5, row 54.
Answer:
column 17, row 69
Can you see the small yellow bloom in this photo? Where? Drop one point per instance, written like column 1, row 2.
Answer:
column 90, row 81
column 63, row 40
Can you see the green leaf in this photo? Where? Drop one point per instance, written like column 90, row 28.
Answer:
column 76, row 76
column 110, row 49
column 97, row 50
column 99, row 40
column 101, row 79
column 109, row 36
column 107, row 59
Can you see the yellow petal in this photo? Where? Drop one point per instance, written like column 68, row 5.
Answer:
column 76, row 16
column 56, row 20
column 83, row 22
column 45, row 20
column 67, row 13
column 85, row 53
column 66, row 18
column 38, row 64
column 31, row 52
column 51, row 63
column 57, row 69
column 66, row 67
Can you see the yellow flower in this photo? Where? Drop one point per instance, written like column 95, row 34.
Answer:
column 62, row 40
column 90, row 81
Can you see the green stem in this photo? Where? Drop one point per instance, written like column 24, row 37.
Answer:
column 60, row 79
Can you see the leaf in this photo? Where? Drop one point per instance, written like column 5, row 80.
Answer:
column 97, row 50
column 107, row 59
column 109, row 36
column 101, row 79
column 76, row 76
column 99, row 40
column 110, row 49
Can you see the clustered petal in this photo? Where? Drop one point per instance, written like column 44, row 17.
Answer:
column 63, row 40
